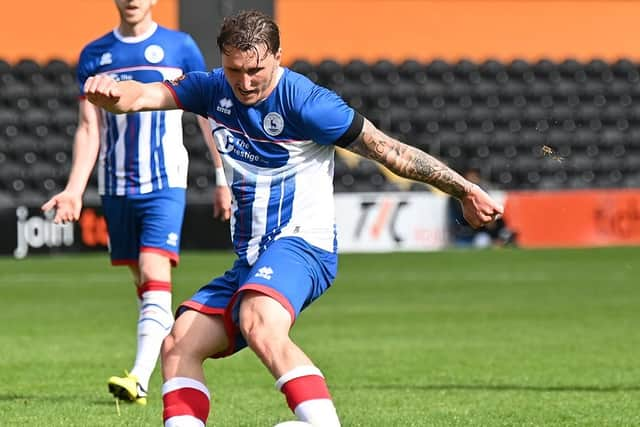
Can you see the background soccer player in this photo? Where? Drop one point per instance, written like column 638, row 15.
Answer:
column 142, row 173
column 277, row 131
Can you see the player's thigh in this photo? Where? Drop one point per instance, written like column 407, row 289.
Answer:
column 262, row 316
column 198, row 335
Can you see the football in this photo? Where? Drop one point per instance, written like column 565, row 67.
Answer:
column 292, row 424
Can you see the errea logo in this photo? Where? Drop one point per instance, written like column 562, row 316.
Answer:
column 172, row 239
column 106, row 58
column 265, row 273
column 224, row 106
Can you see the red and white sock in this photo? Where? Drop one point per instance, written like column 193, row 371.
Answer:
column 308, row 396
column 186, row 403
column 154, row 323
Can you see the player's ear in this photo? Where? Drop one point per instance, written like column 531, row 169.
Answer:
column 278, row 54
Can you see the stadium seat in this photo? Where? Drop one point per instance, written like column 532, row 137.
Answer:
column 28, row 71
column 412, row 72
column 492, row 114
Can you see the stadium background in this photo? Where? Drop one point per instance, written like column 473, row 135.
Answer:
column 485, row 84
column 451, row 338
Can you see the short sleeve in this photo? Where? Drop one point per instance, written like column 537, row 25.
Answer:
column 325, row 116
column 194, row 60
column 193, row 91
column 83, row 70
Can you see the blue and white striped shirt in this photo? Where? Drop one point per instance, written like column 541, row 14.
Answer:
column 141, row 152
column 278, row 156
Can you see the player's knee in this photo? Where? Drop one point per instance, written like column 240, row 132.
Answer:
column 168, row 346
column 261, row 336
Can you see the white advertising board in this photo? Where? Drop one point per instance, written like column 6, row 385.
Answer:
column 394, row 221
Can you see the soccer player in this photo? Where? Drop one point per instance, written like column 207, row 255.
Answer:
column 276, row 131
column 142, row 173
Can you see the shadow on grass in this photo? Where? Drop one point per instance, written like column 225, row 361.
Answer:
column 25, row 398
column 504, row 387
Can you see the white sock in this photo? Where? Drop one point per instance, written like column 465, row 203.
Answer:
column 319, row 413
column 154, row 324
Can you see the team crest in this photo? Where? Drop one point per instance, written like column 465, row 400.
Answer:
column 154, row 53
column 273, row 124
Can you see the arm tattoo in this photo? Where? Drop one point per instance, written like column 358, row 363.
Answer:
column 407, row 161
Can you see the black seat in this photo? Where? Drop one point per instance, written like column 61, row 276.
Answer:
column 56, row 148
column 301, row 66
column 59, row 71
column 520, row 69
column 329, row 73
column 36, row 121
column 412, row 71
column 28, row 71
column 626, row 70
column 611, row 137
column 358, row 71
column 546, row 70
column 386, row 71
column 466, row 70
column 493, row 70
column 17, row 95
column 65, row 121
column 439, row 69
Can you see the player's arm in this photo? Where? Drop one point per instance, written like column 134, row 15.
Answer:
column 128, row 96
column 68, row 203
column 222, row 194
column 409, row 162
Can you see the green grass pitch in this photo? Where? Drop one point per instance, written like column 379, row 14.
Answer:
column 455, row 338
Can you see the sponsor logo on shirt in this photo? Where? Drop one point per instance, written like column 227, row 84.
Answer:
column 121, row 77
column 265, row 273
column 242, row 148
column 224, row 106
column 154, row 53
column 106, row 58
column 273, row 124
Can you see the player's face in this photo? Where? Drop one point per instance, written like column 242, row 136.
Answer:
column 133, row 12
column 251, row 73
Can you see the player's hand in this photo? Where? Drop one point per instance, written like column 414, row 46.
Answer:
column 102, row 90
column 222, row 202
column 67, row 205
column 478, row 208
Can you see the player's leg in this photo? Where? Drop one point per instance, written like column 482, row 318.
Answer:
column 194, row 338
column 159, row 219
column 124, row 250
column 199, row 333
column 154, row 224
column 286, row 278
column 155, row 317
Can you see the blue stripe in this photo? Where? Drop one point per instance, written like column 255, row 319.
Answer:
column 244, row 192
column 110, row 167
column 287, row 200
column 279, row 209
column 273, row 213
column 153, row 150
column 162, row 130
column 131, row 154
